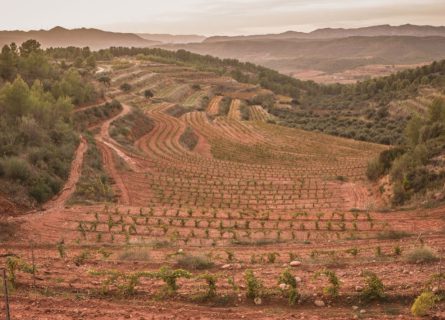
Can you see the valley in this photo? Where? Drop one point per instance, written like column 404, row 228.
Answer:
column 205, row 180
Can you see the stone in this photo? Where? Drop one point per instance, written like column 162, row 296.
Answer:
column 319, row 303
column 298, row 279
column 283, row 286
column 258, row 301
column 295, row 263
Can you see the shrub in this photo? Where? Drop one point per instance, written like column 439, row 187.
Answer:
column 14, row 264
column 16, row 169
column 423, row 304
column 211, row 280
column 148, row 94
column 374, row 170
column 189, row 139
column 393, row 235
column 170, row 276
column 421, row 255
column 126, row 87
column 334, row 283
column 288, row 279
column 81, row 258
column 135, row 254
column 194, row 262
column 374, row 288
column 254, row 286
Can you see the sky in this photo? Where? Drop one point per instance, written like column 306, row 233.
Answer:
column 211, row 17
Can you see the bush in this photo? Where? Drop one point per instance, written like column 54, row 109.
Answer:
column 393, row 235
column 423, row 304
column 374, row 170
column 288, row 279
column 16, row 169
column 126, row 87
column 421, row 255
column 194, row 262
column 374, row 288
column 135, row 254
column 254, row 286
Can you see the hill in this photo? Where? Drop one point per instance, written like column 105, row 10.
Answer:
column 170, row 38
column 327, row 55
column 330, row 33
column 217, row 210
column 61, row 37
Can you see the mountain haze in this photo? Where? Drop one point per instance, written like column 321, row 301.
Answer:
column 61, row 37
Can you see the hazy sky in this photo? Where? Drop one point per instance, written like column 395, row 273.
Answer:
column 216, row 16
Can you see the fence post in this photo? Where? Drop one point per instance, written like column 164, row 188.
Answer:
column 5, row 290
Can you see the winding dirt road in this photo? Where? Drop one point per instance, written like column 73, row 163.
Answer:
column 74, row 176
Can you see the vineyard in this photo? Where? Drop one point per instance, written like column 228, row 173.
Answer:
column 218, row 213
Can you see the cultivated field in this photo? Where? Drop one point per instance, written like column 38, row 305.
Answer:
column 202, row 190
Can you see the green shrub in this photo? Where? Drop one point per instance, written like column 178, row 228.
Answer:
column 333, row 288
column 423, row 304
column 421, row 255
column 374, row 170
column 374, row 288
column 190, row 262
column 288, row 279
column 170, row 276
column 254, row 285
column 16, row 169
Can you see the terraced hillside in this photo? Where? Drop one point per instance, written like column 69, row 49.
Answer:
column 200, row 189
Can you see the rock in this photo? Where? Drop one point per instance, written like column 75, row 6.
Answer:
column 226, row 266
column 355, row 308
column 295, row 263
column 258, row 301
column 319, row 303
column 358, row 288
column 298, row 279
column 362, row 311
column 283, row 286
column 435, row 289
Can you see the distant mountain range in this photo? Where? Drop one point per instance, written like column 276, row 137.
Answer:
column 333, row 33
column 323, row 50
column 169, row 38
column 60, row 37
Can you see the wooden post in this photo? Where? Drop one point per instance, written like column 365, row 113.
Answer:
column 5, row 290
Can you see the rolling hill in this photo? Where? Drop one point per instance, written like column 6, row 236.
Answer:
column 61, row 37
column 295, row 56
column 172, row 38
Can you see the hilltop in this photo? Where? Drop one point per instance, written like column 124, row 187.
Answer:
column 60, row 37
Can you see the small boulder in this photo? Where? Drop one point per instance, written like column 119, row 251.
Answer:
column 295, row 263
column 283, row 286
column 319, row 303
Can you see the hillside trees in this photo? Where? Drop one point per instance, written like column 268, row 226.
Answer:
column 416, row 168
column 37, row 139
